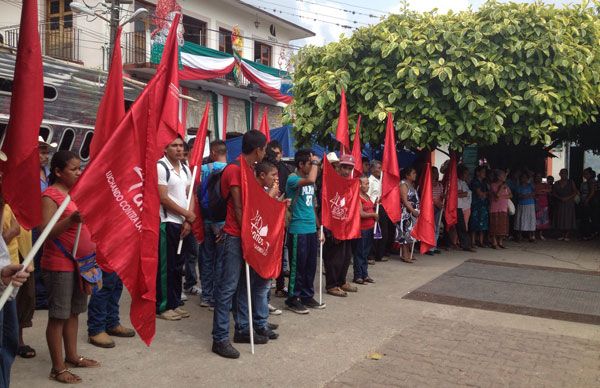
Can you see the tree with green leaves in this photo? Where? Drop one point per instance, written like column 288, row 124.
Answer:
column 506, row 72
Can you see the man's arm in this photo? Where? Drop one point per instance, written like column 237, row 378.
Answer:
column 236, row 197
column 311, row 178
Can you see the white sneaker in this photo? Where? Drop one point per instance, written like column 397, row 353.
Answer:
column 183, row 296
column 274, row 310
column 193, row 290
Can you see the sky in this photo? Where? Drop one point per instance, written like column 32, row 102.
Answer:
column 327, row 18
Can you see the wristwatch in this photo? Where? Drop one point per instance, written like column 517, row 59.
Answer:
column 314, row 162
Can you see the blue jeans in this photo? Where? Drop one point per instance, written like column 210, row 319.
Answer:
column 260, row 303
column 361, row 254
column 103, row 308
column 9, row 340
column 209, row 252
column 191, row 260
column 226, row 278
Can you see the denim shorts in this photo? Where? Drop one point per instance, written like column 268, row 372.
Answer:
column 65, row 297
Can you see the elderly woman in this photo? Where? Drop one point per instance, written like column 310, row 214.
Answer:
column 500, row 193
column 410, row 212
column 542, row 202
column 480, row 218
column 66, row 298
column 564, row 191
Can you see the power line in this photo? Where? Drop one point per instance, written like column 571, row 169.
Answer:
column 322, row 5
column 275, row 10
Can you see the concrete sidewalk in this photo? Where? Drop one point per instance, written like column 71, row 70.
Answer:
column 316, row 349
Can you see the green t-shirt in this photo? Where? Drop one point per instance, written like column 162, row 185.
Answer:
column 303, row 212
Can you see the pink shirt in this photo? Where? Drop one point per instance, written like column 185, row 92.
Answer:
column 498, row 205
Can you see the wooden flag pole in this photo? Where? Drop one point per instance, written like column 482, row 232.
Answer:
column 249, row 292
column 36, row 247
column 188, row 204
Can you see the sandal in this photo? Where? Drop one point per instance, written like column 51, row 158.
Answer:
column 336, row 291
column 407, row 260
column 67, row 376
column 26, row 351
column 83, row 362
column 502, row 246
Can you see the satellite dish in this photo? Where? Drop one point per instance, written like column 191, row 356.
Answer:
column 272, row 30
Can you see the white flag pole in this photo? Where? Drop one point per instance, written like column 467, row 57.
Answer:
column 188, row 203
column 412, row 249
column 36, row 247
column 77, row 236
column 250, row 321
column 321, row 268
column 377, row 207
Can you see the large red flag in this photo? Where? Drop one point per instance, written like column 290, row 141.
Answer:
column 451, row 211
column 424, row 230
column 21, row 181
column 263, row 226
column 112, row 106
column 118, row 195
column 264, row 125
column 195, row 161
column 340, row 204
column 356, row 151
column 341, row 133
column 390, row 174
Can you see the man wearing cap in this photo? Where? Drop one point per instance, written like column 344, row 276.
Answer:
column 338, row 253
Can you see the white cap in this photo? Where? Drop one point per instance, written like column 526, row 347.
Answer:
column 3, row 156
column 42, row 141
column 332, row 157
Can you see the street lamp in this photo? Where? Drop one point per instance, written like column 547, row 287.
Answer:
column 138, row 14
column 82, row 8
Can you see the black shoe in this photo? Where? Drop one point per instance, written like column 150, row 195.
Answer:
column 296, row 306
column 270, row 334
column 224, row 349
column 244, row 338
column 313, row 304
column 272, row 326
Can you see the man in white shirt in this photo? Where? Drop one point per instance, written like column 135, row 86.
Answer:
column 174, row 181
column 380, row 246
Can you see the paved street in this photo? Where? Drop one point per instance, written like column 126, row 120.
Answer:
column 423, row 344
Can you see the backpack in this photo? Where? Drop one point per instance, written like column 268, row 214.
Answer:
column 212, row 202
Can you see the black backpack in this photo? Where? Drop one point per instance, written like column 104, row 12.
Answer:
column 213, row 204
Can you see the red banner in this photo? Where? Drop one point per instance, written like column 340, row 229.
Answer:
column 451, row 211
column 390, row 174
column 340, row 204
column 263, row 225
column 264, row 124
column 424, row 230
column 356, row 151
column 341, row 133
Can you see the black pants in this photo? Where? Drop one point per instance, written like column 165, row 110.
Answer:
column 382, row 246
column 336, row 256
column 461, row 230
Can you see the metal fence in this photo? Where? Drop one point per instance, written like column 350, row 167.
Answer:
column 61, row 43
column 135, row 48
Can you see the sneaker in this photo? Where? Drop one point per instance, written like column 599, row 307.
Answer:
column 204, row 303
column 272, row 326
column 101, row 340
column 371, row 262
column 274, row 310
column 121, row 331
column 270, row 334
column 313, row 304
column 359, row 281
column 244, row 338
column 368, row 280
column 182, row 313
column 281, row 293
column 349, row 288
column 385, row 258
column 183, row 297
column 193, row 290
column 170, row 315
column 224, row 349
column 211, row 308
column 296, row 306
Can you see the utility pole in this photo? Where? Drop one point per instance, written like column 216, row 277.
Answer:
column 115, row 16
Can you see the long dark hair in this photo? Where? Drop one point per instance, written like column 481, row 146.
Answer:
column 406, row 172
column 60, row 161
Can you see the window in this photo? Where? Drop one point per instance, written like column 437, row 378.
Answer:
column 225, row 44
column 66, row 142
column 59, row 35
column 6, row 85
column 84, row 151
column 195, row 30
column 262, row 53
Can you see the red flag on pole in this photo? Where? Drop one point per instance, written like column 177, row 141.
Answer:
column 356, row 151
column 340, row 204
column 264, row 125
column 118, row 194
column 263, row 225
column 424, row 230
column 451, row 211
column 195, row 161
column 341, row 133
column 21, row 180
column 112, row 106
column 390, row 174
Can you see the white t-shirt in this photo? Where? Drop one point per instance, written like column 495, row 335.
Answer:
column 4, row 261
column 464, row 202
column 178, row 184
column 374, row 188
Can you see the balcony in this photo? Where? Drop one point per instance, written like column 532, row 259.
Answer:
column 61, row 44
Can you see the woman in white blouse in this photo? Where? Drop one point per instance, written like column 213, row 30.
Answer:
column 464, row 208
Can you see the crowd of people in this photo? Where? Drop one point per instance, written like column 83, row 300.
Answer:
column 493, row 206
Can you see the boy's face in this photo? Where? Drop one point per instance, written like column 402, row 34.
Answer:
column 364, row 185
column 269, row 178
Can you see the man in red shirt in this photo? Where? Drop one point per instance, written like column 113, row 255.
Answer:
column 229, row 264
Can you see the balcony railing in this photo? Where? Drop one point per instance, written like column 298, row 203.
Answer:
column 61, row 43
column 135, row 48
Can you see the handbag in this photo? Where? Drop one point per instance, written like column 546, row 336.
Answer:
column 511, row 208
column 90, row 275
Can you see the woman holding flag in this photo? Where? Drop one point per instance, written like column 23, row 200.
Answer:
column 410, row 212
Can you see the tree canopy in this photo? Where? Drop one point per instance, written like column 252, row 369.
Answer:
column 518, row 72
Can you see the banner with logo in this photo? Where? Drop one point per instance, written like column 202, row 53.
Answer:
column 340, row 204
column 263, row 226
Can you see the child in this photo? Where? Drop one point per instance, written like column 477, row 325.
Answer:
column 363, row 245
column 268, row 177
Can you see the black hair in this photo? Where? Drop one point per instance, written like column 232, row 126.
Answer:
column 480, row 168
column 270, row 153
column 365, row 159
column 219, row 147
column 302, row 156
column 273, row 144
column 406, row 171
column 264, row 167
column 186, row 147
column 461, row 169
column 60, row 161
column 252, row 140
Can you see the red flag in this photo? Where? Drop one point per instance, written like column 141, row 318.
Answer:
column 117, row 195
column 200, row 142
column 341, row 133
column 21, row 180
column 263, row 225
column 340, row 204
column 112, row 106
column 390, row 174
column 264, row 125
column 451, row 211
column 356, row 151
column 424, row 230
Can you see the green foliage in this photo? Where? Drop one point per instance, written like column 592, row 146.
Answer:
column 507, row 71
